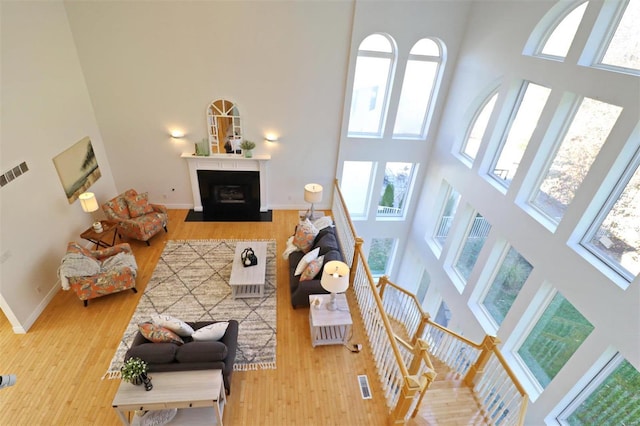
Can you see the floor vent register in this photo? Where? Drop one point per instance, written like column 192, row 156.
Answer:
column 365, row 390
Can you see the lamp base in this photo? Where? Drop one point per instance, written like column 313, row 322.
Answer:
column 332, row 306
column 97, row 226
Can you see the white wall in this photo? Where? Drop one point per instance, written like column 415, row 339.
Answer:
column 491, row 53
column 45, row 110
column 151, row 66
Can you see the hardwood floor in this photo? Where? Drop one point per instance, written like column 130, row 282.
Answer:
column 60, row 361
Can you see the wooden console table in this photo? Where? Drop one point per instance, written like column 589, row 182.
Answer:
column 196, row 390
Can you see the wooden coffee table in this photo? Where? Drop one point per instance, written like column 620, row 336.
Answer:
column 248, row 281
column 201, row 391
column 329, row 327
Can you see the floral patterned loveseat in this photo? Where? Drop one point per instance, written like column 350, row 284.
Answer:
column 135, row 216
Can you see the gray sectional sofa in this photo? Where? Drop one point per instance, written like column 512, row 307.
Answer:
column 327, row 240
column 192, row 355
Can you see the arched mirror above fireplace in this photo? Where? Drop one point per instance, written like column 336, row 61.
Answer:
column 223, row 121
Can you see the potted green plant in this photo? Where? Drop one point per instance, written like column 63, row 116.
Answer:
column 134, row 371
column 247, row 148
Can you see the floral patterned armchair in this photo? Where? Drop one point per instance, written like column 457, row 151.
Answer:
column 135, row 216
column 97, row 273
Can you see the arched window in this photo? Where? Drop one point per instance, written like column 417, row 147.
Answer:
column 554, row 34
column 418, row 90
column 478, row 127
column 374, row 69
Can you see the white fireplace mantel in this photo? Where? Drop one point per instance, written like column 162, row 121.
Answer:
column 231, row 163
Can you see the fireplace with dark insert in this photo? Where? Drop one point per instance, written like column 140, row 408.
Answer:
column 229, row 195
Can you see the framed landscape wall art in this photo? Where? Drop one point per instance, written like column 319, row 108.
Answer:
column 77, row 168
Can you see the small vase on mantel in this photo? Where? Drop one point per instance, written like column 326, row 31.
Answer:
column 248, row 153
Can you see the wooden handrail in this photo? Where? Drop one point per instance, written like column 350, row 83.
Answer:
column 336, row 187
column 415, row 378
column 383, row 315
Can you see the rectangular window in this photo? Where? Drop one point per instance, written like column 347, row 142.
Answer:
column 443, row 316
column 556, row 336
column 355, row 186
column 587, row 133
column 395, row 189
column 380, row 254
column 613, row 398
column 532, row 101
column 511, row 276
column 477, row 235
column 616, row 236
column 444, row 225
column 624, row 50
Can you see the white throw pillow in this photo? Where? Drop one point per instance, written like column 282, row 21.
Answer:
column 209, row 332
column 302, row 265
column 323, row 222
column 176, row 325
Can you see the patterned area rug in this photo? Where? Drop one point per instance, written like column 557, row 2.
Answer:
column 190, row 282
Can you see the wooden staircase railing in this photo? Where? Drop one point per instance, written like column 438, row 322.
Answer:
column 402, row 356
column 404, row 368
column 480, row 365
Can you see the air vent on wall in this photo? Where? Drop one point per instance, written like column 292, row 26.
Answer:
column 14, row 173
column 365, row 390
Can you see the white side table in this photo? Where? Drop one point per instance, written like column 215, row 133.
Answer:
column 329, row 327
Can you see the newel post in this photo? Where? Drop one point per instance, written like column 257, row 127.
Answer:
column 354, row 264
column 420, row 330
column 410, row 387
column 488, row 345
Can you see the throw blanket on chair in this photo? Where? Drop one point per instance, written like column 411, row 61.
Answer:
column 79, row 265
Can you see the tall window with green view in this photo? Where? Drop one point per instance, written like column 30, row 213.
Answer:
column 510, row 278
column 556, row 336
column 476, row 236
column 615, row 401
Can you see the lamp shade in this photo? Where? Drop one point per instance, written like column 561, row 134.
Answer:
column 313, row 193
column 88, row 202
column 335, row 277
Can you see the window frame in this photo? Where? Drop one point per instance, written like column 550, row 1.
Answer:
column 393, row 60
column 428, row 113
column 614, row 18
column 618, row 189
column 479, row 110
column 506, row 131
column 593, row 384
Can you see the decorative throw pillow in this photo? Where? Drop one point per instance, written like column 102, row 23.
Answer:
column 176, row 325
column 157, row 334
column 138, row 205
column 304, row 236
column 312, row 269
column 302, row 264
column 210, row 332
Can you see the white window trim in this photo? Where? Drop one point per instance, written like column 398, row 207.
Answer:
column 620, row 186
column 393, row 57
column 586, row 391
